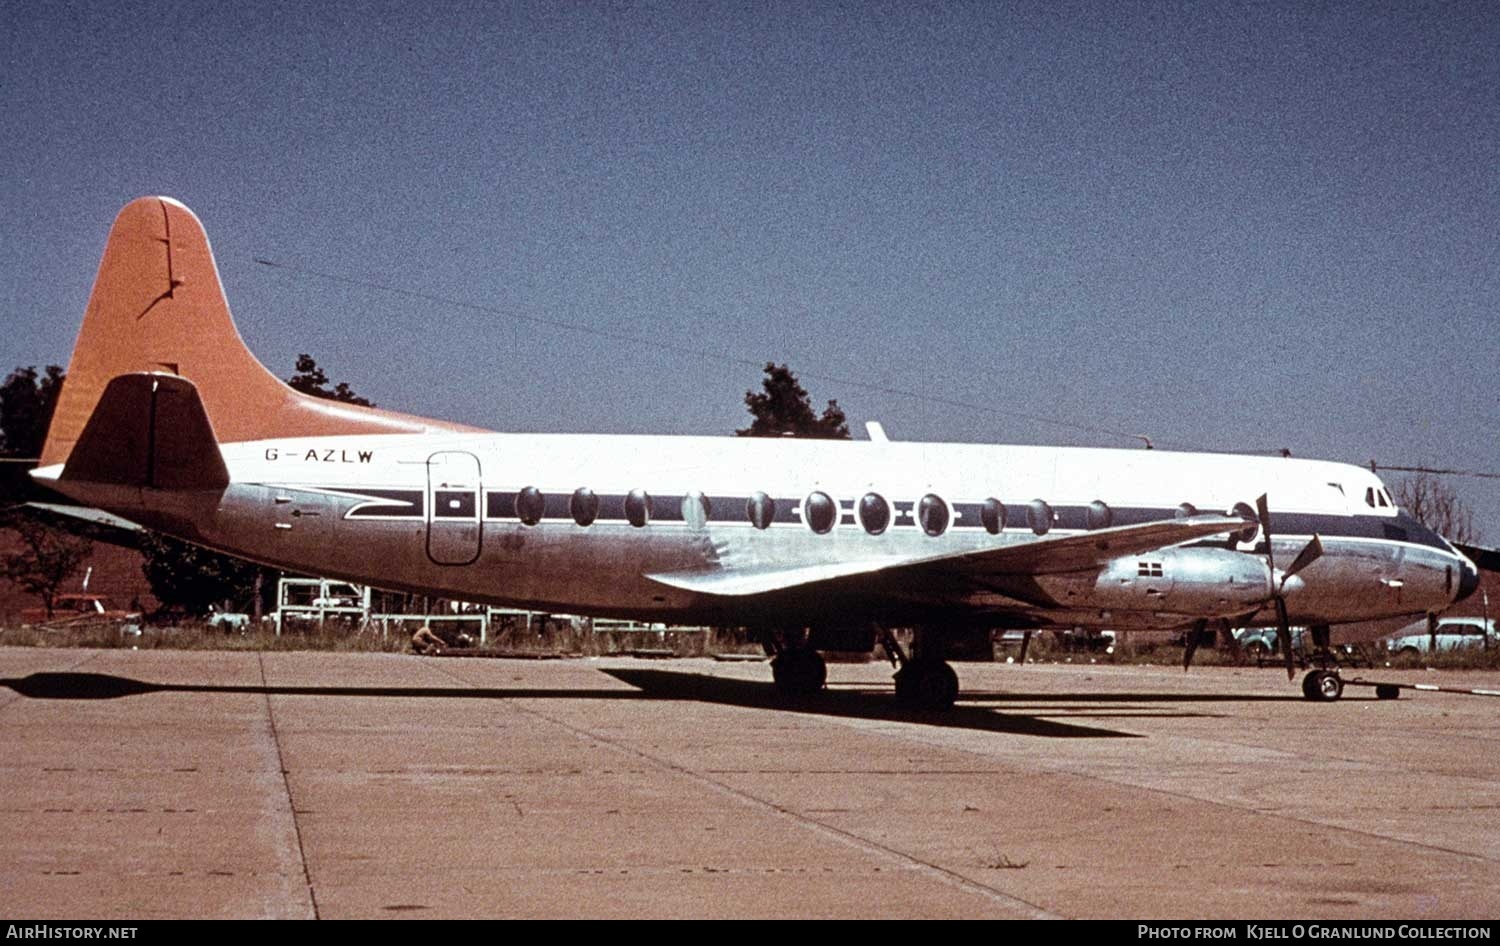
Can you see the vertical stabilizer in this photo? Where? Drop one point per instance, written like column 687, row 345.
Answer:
column 158, row 306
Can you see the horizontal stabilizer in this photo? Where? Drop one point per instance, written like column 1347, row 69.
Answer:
column 1036, row 557
column 87, row 514
column 1487, row 559
column 148, row 431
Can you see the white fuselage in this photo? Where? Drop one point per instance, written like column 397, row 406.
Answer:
column 459, row 515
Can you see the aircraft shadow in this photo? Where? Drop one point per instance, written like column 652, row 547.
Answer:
column 1014, row 696
column 857, row 704
column 660, row 685
column 103, row 686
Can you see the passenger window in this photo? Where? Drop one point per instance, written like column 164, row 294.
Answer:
column 874, row 513
column 638, row 507
column 760, row 509
column 820, row 512
column 1039, row 516
column 529, row 505
column 992, row 514
column 695, row 508
column 1246, row 511
column 932, row 513
column 1099, row 516
column 584, row 506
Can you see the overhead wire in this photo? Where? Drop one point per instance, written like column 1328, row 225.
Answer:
column 705, row 353
column 727, row 358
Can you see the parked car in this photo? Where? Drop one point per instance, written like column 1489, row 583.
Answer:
column 1069, row 639
column 1261, row 641
column 231, row 622
column 1452, row 634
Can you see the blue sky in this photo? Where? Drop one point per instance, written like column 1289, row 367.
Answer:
column 1230, row 227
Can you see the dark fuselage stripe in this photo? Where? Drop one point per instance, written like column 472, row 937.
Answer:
column 500, row 506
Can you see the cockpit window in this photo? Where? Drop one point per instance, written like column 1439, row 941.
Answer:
column 1370, row 496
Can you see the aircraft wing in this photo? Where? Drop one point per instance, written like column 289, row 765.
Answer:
column 1037, row 557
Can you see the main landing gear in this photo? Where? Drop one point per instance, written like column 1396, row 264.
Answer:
column 799, row 671
column 922, row 681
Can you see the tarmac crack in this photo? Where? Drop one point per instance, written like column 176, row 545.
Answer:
column 286, row 784
column 1276, row 813
column 908, row 861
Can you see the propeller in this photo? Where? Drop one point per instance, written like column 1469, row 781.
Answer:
column 1309, row 554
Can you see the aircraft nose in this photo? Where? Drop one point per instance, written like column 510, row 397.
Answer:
column 1468, row 579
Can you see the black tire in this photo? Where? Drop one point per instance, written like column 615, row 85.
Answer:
column 927, row 685
column 1387, row 691
column 799, row 672
column 1322, row 686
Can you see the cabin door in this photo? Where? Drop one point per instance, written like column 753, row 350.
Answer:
column 454, row 521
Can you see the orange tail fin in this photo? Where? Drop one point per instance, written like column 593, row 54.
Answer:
column 158, row 306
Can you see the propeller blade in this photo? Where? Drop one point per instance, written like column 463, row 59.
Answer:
column 1309, row 554
column 1284, row 636
column 1264, row 513
column 1283, row 626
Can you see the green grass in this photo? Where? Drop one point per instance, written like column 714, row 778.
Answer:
column 560, row 638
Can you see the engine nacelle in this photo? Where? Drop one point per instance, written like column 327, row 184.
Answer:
column 1200, row 582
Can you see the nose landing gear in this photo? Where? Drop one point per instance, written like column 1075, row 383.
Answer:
column 1323, row 686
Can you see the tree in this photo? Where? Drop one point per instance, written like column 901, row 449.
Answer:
column 46, row 556
column 47, row 559
column 310, row 379
column 27, row 400
column 1432, row 502
column 194, row 579
column 784, row 408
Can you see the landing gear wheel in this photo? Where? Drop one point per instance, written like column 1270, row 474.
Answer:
column 1387, row 691
column 799, row 672
column 1323, row 686
column 927, row 685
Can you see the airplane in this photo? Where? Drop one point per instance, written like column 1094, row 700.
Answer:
column 168, row 420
